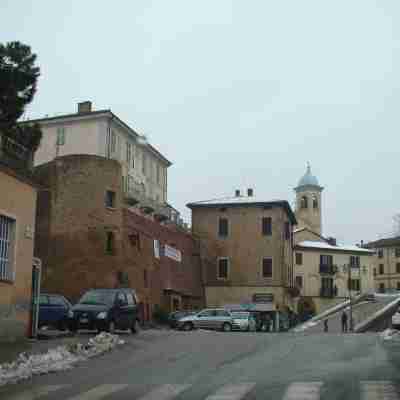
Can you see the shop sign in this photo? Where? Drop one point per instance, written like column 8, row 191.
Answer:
column 263, row 298
column 172, row 253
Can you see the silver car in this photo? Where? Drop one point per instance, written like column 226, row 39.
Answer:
column 210, row 318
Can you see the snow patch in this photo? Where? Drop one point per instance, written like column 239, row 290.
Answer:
column 390, row 334
column 60, row 358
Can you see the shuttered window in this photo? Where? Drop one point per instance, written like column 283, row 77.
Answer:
column 223, row 227
column 7, row 228
column 223, row 265
column 267, row 268
column 267, row 226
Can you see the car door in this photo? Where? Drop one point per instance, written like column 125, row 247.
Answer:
column 132, row 308
column 121, row 311
column 221, row 316
column 44, row 311
column 203, row 319
column 58, row 309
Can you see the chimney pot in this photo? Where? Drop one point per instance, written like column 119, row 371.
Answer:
column 237, row 193
column 250, row 192
column 84, row 107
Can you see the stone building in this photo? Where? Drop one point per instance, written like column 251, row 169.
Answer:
column 325, row 272
column 386, row 263
column 17, row 223
column 249, row 250
column 91, row 235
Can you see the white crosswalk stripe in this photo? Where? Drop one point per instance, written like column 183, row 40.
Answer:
column 232, row 392
column 378, row 390
column 99, row 392
column 303, row 391
column 36, row 392
column 165, row 392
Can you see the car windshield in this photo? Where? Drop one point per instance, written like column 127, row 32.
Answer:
column 95, row 297
column 240, row 315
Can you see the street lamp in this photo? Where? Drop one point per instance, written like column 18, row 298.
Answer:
column 347, row 268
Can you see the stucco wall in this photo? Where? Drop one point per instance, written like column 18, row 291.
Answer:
column 17, row 201
column 390, row 277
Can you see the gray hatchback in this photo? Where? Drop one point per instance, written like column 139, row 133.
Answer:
column 210, row 318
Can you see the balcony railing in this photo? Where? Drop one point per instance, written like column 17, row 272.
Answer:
column 328, row 292
column 327, row 269
column 14, row 154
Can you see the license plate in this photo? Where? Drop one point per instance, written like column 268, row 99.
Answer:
column 84, row 320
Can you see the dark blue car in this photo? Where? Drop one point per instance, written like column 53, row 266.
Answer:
column 54, row 311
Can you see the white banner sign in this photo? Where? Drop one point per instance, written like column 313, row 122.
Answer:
column 173, row 253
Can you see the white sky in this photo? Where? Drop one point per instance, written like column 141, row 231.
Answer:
column 237, row 93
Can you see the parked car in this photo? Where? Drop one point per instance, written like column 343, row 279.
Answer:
column 175, row 316
column 106, row 310
column 54, row 311
column 212, row 318
column 244, row 321
column 396, row 319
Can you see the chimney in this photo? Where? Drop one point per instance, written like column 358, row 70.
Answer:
column 84, row 107
column 332, row 241
column 250, row 192
column 237, row 193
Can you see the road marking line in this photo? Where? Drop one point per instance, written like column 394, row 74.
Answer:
column 232, row 392
column 382, row 390
column 36, row 392
column 165, row 392
column 303, row 391
column 98, row 392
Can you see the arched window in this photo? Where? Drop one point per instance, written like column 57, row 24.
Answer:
column 315, row 201
column 304, row 202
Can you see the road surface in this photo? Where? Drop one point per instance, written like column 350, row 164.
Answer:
column 206, row 365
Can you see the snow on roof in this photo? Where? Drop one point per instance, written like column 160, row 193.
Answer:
column 235, row 200
column 327, row 246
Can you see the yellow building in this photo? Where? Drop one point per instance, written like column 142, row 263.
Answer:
column 325, row 272
column 386, row 263
column 17, row 223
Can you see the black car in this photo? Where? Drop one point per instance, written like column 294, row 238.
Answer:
column 106, row 310
column 175, row 316
column 54, row 311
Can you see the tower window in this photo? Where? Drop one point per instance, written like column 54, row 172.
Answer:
column 223, row 227
column 304, row 202
column 315, row 202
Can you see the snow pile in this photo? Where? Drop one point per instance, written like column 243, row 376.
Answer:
column 58, row 359
column 305, row 326
column 390, row 334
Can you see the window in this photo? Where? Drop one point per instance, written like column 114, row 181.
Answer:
column 60, row 136
column 304, row 202
column 398, row 285
column 110, row 243
column 121, row 299
column 206, row 313
column 380, row 253
column 355, row 261
column 130, row 299
column 397, row 268
column 7, row 229
column 381, row 269
column 223, row 227
column 326, row 259
column 267, row 226
column 110, row 199
column 355, row 284
column 128, row 153
column 327, row 286
column 315, row 201
column 397, row 252
column 287, row 230
column 113, row 142
column 144, row 164
column 158, row 174
column 267, row 268
column 299, row 281
column 222, row 313
column 374, row 271
column 382, row 287
column 223, row 268
column 43, row 300
column 146, row 284
column 299, row 258
column 57, row 301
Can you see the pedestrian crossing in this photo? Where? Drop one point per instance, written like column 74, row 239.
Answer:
column 368, row 390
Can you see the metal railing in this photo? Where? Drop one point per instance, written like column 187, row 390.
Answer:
column 327, row 269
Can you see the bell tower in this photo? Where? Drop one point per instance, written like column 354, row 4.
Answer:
column 308, row 202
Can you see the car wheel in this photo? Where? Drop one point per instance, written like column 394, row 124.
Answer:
column 187, row 326
column 111, row 327
column 135, row 326
column 226, row 327
column 62, row 325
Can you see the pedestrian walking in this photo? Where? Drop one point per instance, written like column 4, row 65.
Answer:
column 326, row 325
column 344, row 322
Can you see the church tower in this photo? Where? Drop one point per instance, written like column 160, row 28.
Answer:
column 308, row 202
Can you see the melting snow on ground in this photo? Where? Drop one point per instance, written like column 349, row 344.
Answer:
column 390, row 334
column 57, row 359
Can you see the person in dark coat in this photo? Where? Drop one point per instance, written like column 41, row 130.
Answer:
column 326, row 325
column 344, row 322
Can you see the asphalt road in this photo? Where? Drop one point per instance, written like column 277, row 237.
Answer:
column 160, row 365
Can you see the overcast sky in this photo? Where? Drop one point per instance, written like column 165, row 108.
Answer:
column 237, row 93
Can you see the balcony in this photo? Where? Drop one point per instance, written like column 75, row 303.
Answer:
column 328, row 292
column 327, row 269
column 14, row 154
